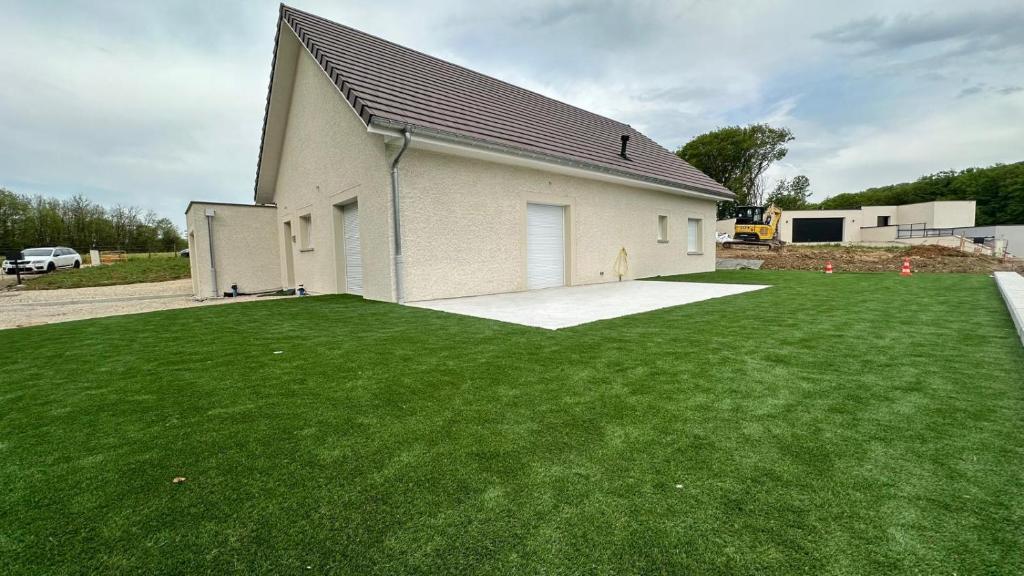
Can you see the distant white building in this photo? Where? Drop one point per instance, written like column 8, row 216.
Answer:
column 877, row 223
column 871, row 223
column 938, row 222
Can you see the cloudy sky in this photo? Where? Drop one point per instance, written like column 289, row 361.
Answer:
column 156, row 103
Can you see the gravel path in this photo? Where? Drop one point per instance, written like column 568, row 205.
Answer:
column 32, row 307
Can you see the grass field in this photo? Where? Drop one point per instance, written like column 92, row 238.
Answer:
column 138, row 268
column 845, row 424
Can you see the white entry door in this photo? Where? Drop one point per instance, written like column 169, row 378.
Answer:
column 545, row 246
column 353, row 253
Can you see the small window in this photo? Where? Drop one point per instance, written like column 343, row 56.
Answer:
column 883, row 220
column 694, row 236
column 662, row 228
column 306, row 232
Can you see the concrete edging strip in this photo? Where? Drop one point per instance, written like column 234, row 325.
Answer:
column 1011, row 286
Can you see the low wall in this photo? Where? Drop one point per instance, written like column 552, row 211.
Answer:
column 1011, row 286
column 878, row 234
column 245, row 251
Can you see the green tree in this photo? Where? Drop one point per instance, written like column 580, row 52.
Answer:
column 791, row 194
column 15, row 212
column 81, row 224
column 737, row 157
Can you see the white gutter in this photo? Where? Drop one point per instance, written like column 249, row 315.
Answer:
column 396, row 220
column 213, row 266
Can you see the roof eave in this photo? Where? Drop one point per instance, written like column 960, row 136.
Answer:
column 388, row 127
column 266, row 108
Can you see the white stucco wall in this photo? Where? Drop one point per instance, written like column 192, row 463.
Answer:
column 727, row 226
column 953, row 214
column 939, row 214
column 245, row 248
column 879, row 234
column 328, row 160
column 464, row 226
column 923, row 213
column 869, row 215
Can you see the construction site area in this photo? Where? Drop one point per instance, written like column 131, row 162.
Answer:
column 923, row 258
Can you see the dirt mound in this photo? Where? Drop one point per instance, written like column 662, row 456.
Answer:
column 934, row 251
column 923, row 258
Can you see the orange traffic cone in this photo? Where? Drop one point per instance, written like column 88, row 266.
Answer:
column 828, row 267
column 906, row 267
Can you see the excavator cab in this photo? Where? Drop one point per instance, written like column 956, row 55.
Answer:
column 750, row 215
column 756, row 226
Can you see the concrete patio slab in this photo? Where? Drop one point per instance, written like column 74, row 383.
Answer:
column 556, row 308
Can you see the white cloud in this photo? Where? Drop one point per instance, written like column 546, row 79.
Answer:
column 971, row 133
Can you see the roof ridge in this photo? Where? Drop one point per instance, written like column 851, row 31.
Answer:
column 460, row 66
column 388, row 83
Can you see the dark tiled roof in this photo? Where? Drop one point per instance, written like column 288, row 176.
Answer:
column 388, row 83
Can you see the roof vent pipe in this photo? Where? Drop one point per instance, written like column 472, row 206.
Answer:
column 625, row 140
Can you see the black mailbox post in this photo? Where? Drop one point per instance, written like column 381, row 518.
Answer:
column 15, row 256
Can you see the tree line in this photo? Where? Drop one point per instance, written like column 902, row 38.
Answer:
column 998, row 191
column 738, row 157
column 79, row 223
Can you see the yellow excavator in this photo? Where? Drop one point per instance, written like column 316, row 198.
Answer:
column 756, row 226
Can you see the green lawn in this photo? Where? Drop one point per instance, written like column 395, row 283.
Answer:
column 845, row 424
column 138, row 268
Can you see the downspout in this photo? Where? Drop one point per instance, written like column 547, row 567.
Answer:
column 397, row 215
column 213, row 265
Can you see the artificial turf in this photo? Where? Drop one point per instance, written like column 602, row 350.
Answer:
column 851, row 424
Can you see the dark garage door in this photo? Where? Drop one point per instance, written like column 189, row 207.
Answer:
column 817, row 230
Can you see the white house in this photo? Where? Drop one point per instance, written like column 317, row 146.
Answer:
column 389, row 173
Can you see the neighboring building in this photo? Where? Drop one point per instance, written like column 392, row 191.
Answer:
column 499, row 189
column 908, row 223
column 876, row 223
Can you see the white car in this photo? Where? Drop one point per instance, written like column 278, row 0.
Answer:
column 43, row 260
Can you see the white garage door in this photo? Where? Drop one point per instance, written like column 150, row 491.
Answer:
column 353, row 254
column 545, row 246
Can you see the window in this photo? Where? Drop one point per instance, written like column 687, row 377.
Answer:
column 306, row 232
column 694, row 236
column 662, row 228
column 883, row 220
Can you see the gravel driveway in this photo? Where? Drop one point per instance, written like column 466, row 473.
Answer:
column 32, row 307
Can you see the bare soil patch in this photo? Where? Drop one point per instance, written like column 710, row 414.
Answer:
column 923, row 258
